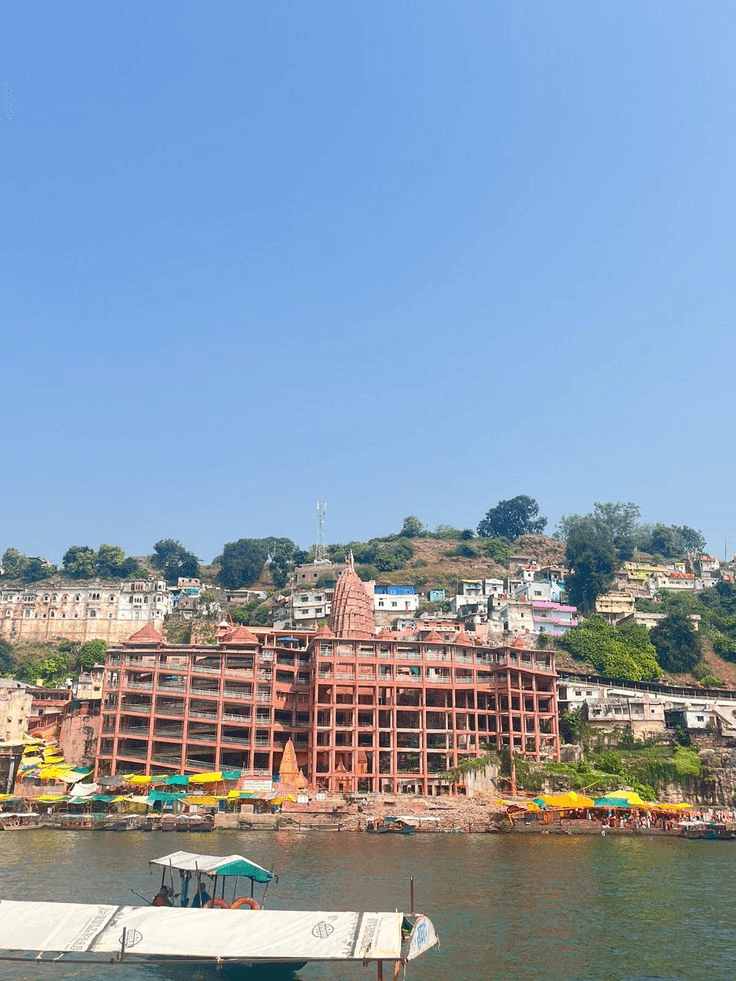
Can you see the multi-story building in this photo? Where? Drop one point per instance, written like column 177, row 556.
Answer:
column 614, row 606
column 81, row 612
column 523, row 617
column 310, row 607
column 201, row 707
column 395, row 600
column 310, row 573
column 16, row 700
column 365, row 711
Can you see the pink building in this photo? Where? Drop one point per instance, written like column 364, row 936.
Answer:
column 365, row 711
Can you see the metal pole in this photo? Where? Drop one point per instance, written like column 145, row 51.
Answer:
column 122, row 944
column 411, row 894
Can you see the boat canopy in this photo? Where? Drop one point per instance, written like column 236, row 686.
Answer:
column 213, row 865
column 213, row 934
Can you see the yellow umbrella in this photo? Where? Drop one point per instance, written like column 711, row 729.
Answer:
column 623, row 799
column 570, row 799
column 206, row 777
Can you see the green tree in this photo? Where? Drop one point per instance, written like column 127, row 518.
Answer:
column 593, row 560
column 676, row 642
column 90, row 653
column 36, row 569
column 79, row 562
column 694, row 541
column 54, row 669
column 174, row 560
column 242, row 562
column 281, row 553
column 413, row 527
column 613, row 652
column 7, row 661
column 255, row 613
column 498, row 549
column 13, row 563
column 671, row 541
column 616, row 523
column 111, row 563
column 449, row 531
column 512, row 518
column 572, row 725
column 279, row 567
column 364, row 553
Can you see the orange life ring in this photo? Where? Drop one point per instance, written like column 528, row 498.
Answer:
column 219, row 903
column 245, row 901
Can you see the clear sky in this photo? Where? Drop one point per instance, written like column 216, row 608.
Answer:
column 404, row 257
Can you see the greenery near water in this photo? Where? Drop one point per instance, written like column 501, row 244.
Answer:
column 505, row 906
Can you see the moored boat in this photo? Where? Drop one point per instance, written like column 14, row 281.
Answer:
column 203, row 930
column 708, row 830
column 391, row 826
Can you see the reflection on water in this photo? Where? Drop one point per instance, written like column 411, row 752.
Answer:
column 551, row 908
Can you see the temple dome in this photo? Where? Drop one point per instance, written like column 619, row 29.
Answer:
column 352, row 608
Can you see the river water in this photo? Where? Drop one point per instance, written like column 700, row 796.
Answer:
column 553, row 908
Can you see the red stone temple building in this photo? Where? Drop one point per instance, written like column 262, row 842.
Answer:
column 370, row 712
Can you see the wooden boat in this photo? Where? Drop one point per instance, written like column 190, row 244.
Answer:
column 391, row 826
column 17, row 821
column 708, row 830
column 94, row 933
column 215, row 933
column 195, row 880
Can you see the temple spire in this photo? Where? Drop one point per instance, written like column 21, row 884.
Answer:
column 352, row 606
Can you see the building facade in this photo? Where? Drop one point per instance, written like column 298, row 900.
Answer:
column 81, row 612
column 365, row 711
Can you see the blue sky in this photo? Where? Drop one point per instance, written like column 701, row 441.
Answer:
column 404, row 257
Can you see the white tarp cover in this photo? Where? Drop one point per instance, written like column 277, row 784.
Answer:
column 245, row 935
column 214, row 864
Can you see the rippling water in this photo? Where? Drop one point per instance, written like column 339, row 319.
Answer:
column 521, row 907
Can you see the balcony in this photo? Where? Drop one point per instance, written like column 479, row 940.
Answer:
column 132, row 754
column 177, row 710
column 243, row 740
column 168, row 734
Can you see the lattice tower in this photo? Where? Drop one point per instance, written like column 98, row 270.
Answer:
column 320, row 550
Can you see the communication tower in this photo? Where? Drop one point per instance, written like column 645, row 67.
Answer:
column 320, row 551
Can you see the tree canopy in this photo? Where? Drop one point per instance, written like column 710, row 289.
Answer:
column 670, row 541
column 16, row 565
column 597, row 543
column 413, row 527
column 593, row 561
column 512, row 518
column 90, row 653
column 241, row 562
column 676, row 642
column 615, row 523
column 79, row 562
column 6, row 657
column 616, row 652
column 174, row 560
column 108, row 562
